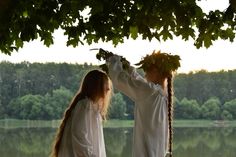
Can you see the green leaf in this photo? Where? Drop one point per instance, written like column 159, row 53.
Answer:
column 19, row 42
column 47, row 38
column 25, row 14
column 48, row 41
column 207, row 41
column 72, row 42
column 166, row 34
column 133, row 31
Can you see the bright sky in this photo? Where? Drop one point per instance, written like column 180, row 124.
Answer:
column 220, row 56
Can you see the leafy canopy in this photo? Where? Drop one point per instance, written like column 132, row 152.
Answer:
column 111, row 20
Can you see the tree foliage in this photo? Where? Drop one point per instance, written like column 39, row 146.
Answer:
column 43, row 91
column 231, row 107
column 26, row 107
column 203, row 85
column 118, row 107
column 188, row 109
column 211, row 109
column 111, row 20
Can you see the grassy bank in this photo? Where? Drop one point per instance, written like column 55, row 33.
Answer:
column 14, row 123
column 203, row 123
column 177, row 123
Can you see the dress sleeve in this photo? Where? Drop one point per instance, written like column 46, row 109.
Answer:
column 128, row 81
column 81, row 133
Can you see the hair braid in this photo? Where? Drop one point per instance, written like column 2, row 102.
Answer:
column 170, row 113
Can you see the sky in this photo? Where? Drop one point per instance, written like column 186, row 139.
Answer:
column 220, row 56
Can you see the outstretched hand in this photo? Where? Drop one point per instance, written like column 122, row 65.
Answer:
column 105, row 55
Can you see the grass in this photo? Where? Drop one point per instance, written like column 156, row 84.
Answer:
column 193, row 123
column 14, row 123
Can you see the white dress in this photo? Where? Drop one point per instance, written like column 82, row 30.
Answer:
column 83, row 133
column 150, row 111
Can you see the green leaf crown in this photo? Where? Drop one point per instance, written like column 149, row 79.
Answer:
column 164, row 62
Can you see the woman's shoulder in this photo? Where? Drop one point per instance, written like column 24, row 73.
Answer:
column 158, row 89
column 85, row 107
column 79, row 105
column 83, row 102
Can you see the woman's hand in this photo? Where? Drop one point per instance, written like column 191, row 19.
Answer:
column 105, row 55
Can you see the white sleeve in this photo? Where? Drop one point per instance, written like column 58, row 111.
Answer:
column 128, row 81
column 80, row 131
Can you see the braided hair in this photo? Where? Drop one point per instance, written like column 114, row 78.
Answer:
column 170, row 113
column 166, row 64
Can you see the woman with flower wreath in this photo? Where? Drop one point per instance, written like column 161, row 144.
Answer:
column 153, row 100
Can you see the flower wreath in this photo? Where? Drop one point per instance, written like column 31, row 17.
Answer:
column 164, row 62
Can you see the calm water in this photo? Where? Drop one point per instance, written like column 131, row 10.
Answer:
column 188, row 142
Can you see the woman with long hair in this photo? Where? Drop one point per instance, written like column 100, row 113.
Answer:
column 81, row 133
column 153, row 100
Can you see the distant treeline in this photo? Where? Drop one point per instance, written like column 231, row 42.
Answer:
column 43, row 91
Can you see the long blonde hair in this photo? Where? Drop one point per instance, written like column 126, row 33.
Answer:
column 96, row 86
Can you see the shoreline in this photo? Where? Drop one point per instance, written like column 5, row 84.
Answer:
column 15, row 123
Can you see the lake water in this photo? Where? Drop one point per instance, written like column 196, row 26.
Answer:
column 188, row 142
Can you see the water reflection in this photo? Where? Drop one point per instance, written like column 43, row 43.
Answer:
column 34, row 142
column 205, row 142
column 194, row 142
column 118, row 142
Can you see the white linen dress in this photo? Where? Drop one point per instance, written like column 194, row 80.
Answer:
column 150, row 110
column 83, row 133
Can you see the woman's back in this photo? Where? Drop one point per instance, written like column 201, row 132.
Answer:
column 83, row 134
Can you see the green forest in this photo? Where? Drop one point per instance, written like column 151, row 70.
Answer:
column 42, row 91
